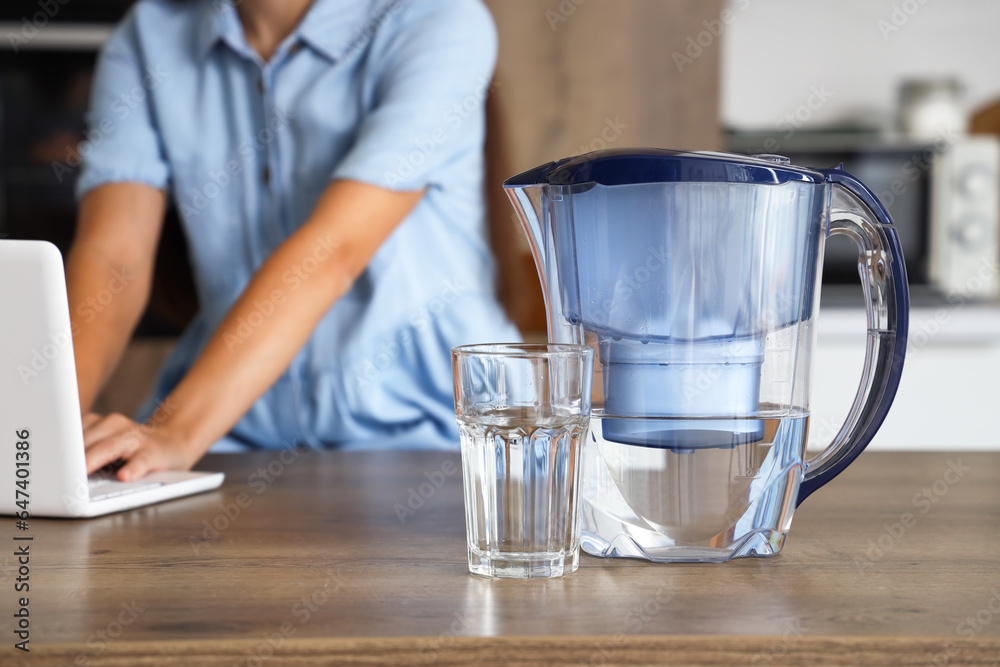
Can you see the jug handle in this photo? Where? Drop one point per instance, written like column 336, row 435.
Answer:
column 857, row 213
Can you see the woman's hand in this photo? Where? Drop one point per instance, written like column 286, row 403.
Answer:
column 145, row 448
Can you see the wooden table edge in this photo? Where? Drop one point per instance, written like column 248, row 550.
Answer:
column 605, row 650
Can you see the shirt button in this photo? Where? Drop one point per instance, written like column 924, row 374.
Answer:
column 294, row 48
column 265, row 175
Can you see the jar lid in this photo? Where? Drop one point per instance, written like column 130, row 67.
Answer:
column 627, row 166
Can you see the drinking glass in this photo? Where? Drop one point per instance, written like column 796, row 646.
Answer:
column 523, row 411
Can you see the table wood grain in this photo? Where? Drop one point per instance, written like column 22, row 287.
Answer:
column 308, row 559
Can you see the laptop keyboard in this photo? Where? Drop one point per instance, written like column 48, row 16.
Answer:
column 104, row 483
column 102, row 488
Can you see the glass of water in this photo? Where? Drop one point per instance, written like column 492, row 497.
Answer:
column 523, row 411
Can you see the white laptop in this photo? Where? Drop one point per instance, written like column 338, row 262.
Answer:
column 42, row 461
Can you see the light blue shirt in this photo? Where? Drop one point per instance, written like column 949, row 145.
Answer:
column 387, row 92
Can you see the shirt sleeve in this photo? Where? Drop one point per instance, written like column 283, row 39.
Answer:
column 435, row 63
column 122, row 142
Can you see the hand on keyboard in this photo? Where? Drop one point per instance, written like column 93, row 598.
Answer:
column 143, row 447
column 104, row 484
column 108, row 473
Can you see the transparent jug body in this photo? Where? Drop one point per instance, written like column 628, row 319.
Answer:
column 700, row 300
column 695, row 277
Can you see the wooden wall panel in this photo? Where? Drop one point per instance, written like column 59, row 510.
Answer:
column 565, row 70
column 578, row 75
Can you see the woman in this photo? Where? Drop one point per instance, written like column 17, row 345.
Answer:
column 326, row 160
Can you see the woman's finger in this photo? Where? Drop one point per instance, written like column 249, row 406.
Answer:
column 142, row 462
column 90, row 419
column 110, row 449
column 106, row 427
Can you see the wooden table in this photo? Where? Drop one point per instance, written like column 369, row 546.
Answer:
column 897, row 562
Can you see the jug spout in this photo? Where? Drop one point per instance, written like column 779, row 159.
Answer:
column 527, row 201
column 541, row 202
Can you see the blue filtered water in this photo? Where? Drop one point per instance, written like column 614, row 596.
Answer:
column 702, row 489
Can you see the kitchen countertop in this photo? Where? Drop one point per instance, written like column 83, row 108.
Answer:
column 337, row 558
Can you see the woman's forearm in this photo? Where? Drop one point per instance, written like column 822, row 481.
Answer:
column 108, row 276
column 241, row 360
column 279, row 309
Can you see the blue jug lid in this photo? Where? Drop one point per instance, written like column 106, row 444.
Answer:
column 626, row 166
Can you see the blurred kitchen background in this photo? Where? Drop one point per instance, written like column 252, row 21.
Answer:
column 906, row 93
